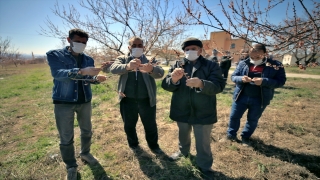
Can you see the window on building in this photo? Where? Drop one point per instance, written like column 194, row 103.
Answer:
column 233, row 46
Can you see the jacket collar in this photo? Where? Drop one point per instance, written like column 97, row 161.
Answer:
column 196, row 66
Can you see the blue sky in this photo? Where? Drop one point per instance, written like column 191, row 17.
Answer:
column 20, row 20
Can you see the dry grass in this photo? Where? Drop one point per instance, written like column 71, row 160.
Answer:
column 286, row 144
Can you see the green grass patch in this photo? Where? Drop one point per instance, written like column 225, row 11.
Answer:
column 288, row 128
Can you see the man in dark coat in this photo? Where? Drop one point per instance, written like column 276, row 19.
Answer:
column 194, row 83
column 214, row 56
column 225, row 65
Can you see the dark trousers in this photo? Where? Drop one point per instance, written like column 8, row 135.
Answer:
column 130, row 109
column 225, row 72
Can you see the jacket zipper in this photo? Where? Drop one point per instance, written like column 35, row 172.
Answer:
column 261, row 89
column 84, row 93
column 242, row 86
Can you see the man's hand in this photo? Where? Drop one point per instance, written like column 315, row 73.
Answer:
column 177, row 74
column 257, row 81
column 91, row 71
column 194, row 82
column 101, row 78
column 146, row 68
column 246, row 79
column 106, row 65
column 133, row 64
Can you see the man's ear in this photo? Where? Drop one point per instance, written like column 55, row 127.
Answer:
column 69, row 40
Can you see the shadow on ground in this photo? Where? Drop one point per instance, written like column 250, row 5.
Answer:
column 171, row 170
column 98, row 172
column 310, row 162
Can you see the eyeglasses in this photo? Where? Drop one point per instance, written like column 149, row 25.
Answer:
column 137, row 45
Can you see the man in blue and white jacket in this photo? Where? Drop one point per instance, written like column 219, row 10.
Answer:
column 256, row 78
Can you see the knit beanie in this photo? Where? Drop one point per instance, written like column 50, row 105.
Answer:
column 191, row 41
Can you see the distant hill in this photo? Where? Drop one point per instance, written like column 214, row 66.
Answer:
column 29, row 56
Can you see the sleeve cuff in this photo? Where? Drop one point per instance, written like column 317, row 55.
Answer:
column 177, row 83
column 73, row 74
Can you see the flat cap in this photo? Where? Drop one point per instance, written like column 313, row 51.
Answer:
column 191, row 41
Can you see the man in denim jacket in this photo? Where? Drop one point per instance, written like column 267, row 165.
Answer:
column 73, row 72
column 256, row 78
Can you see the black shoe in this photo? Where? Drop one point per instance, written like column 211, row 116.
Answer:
column 245, row 142
column 207, row 175
column 157, row 151
column 136, row 149
column 177, row 155
column 228, row 138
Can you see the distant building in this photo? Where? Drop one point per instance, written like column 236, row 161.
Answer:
column 290, row 59
column 223, row 42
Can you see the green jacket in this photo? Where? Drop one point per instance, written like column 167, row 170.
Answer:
column 119, row 67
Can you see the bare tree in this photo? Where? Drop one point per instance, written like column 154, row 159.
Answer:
column 250, row 21
column 112, row 22
column 8, row 53
column 169, row 46
column 307, row 46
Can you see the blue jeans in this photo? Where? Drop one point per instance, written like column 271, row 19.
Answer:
column 202, row 134
column 255, row 110
column 64, row 114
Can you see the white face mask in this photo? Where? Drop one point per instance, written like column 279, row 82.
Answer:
column 78, row 47
column 256, row 62
column 136, row 52
column 191, row 55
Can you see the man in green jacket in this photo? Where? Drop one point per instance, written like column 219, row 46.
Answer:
column 137, row 94
column 194, row 83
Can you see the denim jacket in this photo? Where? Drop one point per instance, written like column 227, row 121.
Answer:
column 273, row 76
column 64, row 70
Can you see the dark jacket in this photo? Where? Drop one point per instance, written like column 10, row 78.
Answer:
column 119, row 67
column 64, row 70
column 273, row 75
column 214, row 59
column 225, row 62
column 195, row 106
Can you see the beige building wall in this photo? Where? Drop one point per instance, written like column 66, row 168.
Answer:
column 288, row 59
column 223, row 42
